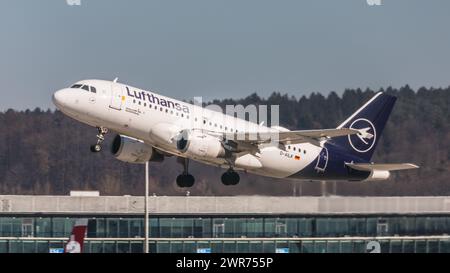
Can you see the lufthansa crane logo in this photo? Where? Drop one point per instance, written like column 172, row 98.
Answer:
column 363, row 141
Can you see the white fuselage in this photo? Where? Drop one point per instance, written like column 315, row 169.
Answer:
column 156, row 119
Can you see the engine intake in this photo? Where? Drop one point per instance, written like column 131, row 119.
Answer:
column 199, row 144
column 131, row 150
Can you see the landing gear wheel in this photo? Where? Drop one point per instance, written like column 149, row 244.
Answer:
column 225, row 179
column 180, row 181
column 185, row 181
column 190, row 181
column 102, row 131
column 230, row 178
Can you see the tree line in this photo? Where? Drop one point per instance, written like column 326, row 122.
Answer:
column 45, row 152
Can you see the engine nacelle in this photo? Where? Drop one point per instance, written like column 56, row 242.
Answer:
column 131, row 150
column 378, row 175
column 199, row 144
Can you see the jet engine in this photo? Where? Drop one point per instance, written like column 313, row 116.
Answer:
column 198, row 144
column 131, row 150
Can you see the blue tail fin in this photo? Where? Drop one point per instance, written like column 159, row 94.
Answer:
column 370, row 119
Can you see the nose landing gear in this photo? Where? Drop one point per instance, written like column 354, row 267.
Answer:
column 185, row 180
column 102, row 131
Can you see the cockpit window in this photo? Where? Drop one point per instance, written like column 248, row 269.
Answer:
column 85, row 87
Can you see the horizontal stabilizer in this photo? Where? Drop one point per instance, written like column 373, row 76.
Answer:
column 382, row 167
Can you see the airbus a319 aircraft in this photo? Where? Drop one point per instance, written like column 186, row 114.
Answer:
column 151, row 127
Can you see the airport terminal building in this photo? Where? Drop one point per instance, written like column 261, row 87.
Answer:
column 241, row 224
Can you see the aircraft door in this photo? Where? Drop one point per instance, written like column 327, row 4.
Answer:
column 117, row 96
column 322, row 160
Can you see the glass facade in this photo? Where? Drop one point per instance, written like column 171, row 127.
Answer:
column 252, row 233
column 229, row 227
column 233, row 246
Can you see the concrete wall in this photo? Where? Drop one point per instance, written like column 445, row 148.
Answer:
column 224, row 205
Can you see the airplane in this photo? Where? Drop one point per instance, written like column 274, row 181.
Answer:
column 151, row 127
column 76, row 240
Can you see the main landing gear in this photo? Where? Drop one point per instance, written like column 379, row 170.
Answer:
column 230, row 178
column 102, row 131
column 185, row 180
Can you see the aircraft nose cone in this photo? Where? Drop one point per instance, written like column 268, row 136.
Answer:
column 58, row 98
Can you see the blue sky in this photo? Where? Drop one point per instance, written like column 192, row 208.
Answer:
column 221, row 48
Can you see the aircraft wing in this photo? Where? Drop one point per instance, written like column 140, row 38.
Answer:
column 248, row 142
column 289, row 137
column 296, row 136
column 382, row 167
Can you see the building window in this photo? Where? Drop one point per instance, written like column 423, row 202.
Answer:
column 382, row 227
column 280, row 228
column 27, row 227
column 218, row 230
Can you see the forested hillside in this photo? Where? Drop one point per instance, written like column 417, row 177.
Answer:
column 45, row 152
